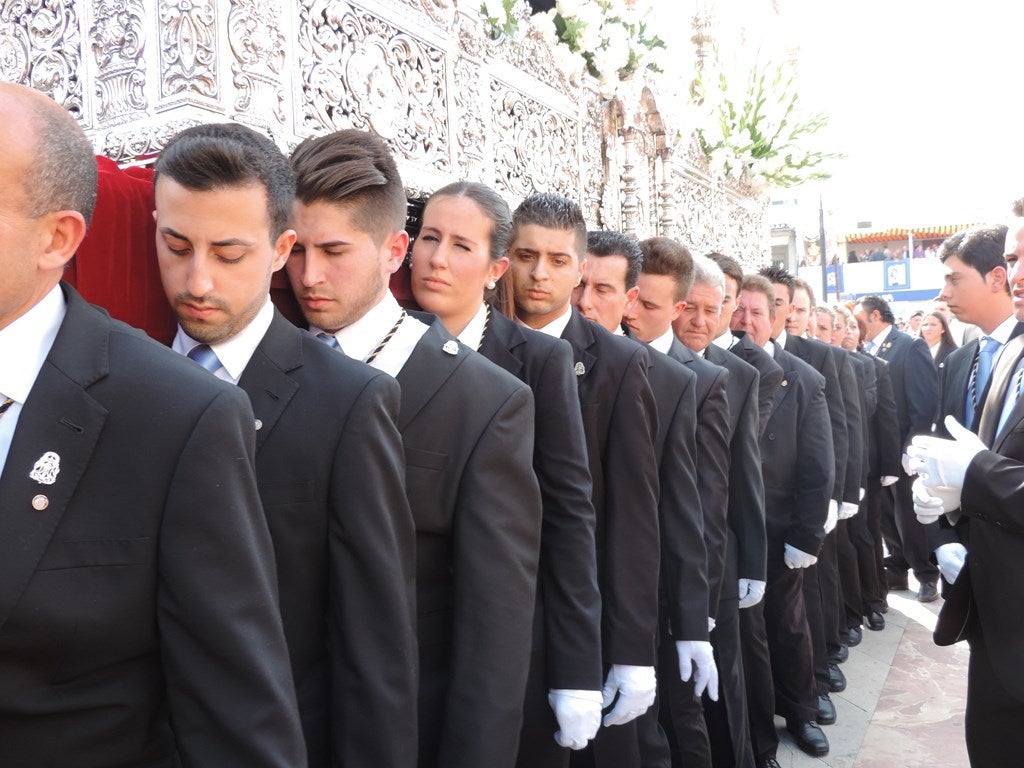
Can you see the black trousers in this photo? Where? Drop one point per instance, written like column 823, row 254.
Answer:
column 849, row 574
column 537, row 745
column 789, row 644
column 866, row 537
column 757, row 674
column 727, row 723
column 907, row 539
column 995, row 738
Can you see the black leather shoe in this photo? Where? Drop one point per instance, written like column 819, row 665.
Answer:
column 840, row 656
column 809, row 737
column 768, row 762
column 853, row 637
column 875, row 621
column 927, row 592
column 896, row 581
column 826, row 710
column 836, row 679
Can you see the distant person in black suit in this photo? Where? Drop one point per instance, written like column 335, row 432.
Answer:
column 458, row 262
column 547, row 251
column 328, row 453
column 467, row 431
column 935, row 332
column 915, row 388
column 139, row 619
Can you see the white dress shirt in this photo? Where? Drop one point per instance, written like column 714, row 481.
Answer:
column 24, row 345
column 234, row 353
column 557, row 326
column 664, row 342
column 473, row 334
column 726, row 340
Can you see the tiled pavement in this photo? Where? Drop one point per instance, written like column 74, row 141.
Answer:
column 903, row 706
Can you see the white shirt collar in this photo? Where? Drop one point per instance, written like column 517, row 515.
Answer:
column 664, row 342
column 234, row 353
column 767, row 347
column 473, row 334
column 25, row 343
column 880, row 339
column 781, row 338
column 557, row 326
column 1001, row 332
column 725, row 341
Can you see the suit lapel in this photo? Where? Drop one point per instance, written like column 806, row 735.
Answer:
column 1002, row 374
column 266, row 380
column 500, row 340
column 427, row 369
column 580, row 335
column 59, row 417
column 782, row 391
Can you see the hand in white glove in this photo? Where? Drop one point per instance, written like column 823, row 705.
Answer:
column 926, row 507
column 832, row 517
column 862, row 492
column 635, row 687
column 578, row 714
column 796, row 558
column 847, row 510
column 944, row 462
column 888, row 480
column 951, row 558
column 698, row 653
column 751, row 592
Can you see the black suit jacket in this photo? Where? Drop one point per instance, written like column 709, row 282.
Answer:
column 331, row 475
column 568, row 617
column 914, row 384
column 467, row 427
column 855, row 456
column 769, row 371
column 684, row 578
column 712, row 459
column 139, row 619
column 620, row 422
column 867, row 395
column 945, row 349
column 797, row 462
column 747, row 548
column 884, row 449
column 819, row 356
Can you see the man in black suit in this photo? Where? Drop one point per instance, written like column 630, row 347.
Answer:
column 984, row 485
column 609, row 295
column 798, row 467
column 467, row 430
column 705, row 332
column 915, row 388
column 547, row 252
column 139, row 618
column 328, row 453
column 977, row 292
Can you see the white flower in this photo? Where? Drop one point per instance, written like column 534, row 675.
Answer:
column 544, row 23
column 494, row 9
column 568, row 8
column 590, row 15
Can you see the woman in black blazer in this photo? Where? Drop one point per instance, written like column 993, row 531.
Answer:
column 935, row 332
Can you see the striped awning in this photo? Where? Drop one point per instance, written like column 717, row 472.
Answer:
column 899, row 234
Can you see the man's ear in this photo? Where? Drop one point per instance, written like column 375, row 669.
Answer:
column 64, row 234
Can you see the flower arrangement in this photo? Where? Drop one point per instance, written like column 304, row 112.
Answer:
column 760, row 136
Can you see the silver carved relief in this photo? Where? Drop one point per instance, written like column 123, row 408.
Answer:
column 117, row 40
column 258, row 47
column 188, row 49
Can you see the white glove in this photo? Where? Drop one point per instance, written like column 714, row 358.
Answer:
column 862, row 492
column 711, row 625
column 944, row 462
column 888, row 480
column 847, row 510
column 796, row 558
column 698, row 653
column 832, row 517
column 950, row 558
column 635, row 687
column 931, row 502
column 751, row 592
column 578, row 714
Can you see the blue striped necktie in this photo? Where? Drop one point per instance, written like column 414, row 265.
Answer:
column 205, row 356
column 329, row 339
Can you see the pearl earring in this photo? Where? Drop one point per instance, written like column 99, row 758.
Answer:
column 490, row 286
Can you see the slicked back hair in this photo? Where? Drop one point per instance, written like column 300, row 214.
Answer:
column 799, row 282
column 730, row 267
column 761, row 285
column 491, row 204
column 664, row 256
column 777, row 274
column 982, row 248
column 601, row 243
column 552, row 211
column 873, row 303
column 705, row 271
column 218, row 155
column 63, row 174
column 355, row 170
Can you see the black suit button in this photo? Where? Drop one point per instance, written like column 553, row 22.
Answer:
column 771, row 435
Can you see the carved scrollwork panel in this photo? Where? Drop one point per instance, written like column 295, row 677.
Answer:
column 360, row 71
column 258, row 46
column 127, row 146
column 117, row 40
column 188, row 49
column 41, row 46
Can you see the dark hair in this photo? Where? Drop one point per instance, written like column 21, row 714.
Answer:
column 776, row 274
column 946, row 335
column 218, row 155
column 494, row 207
column 799, row 282
column 663, row 256
column 950, row 245
column 602, row 243
column 763, row 285
column 730, row 267
column 355, row 169
column 981, row 247
column 63, row 174
column 552, row 212
column 918, row 313
column 877, row 303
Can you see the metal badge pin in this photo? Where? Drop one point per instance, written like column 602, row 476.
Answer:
column 46, row 469
column 40, row 502
column 451, row 347
column 258, row 424
column 580, row 369
column 785, row 383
